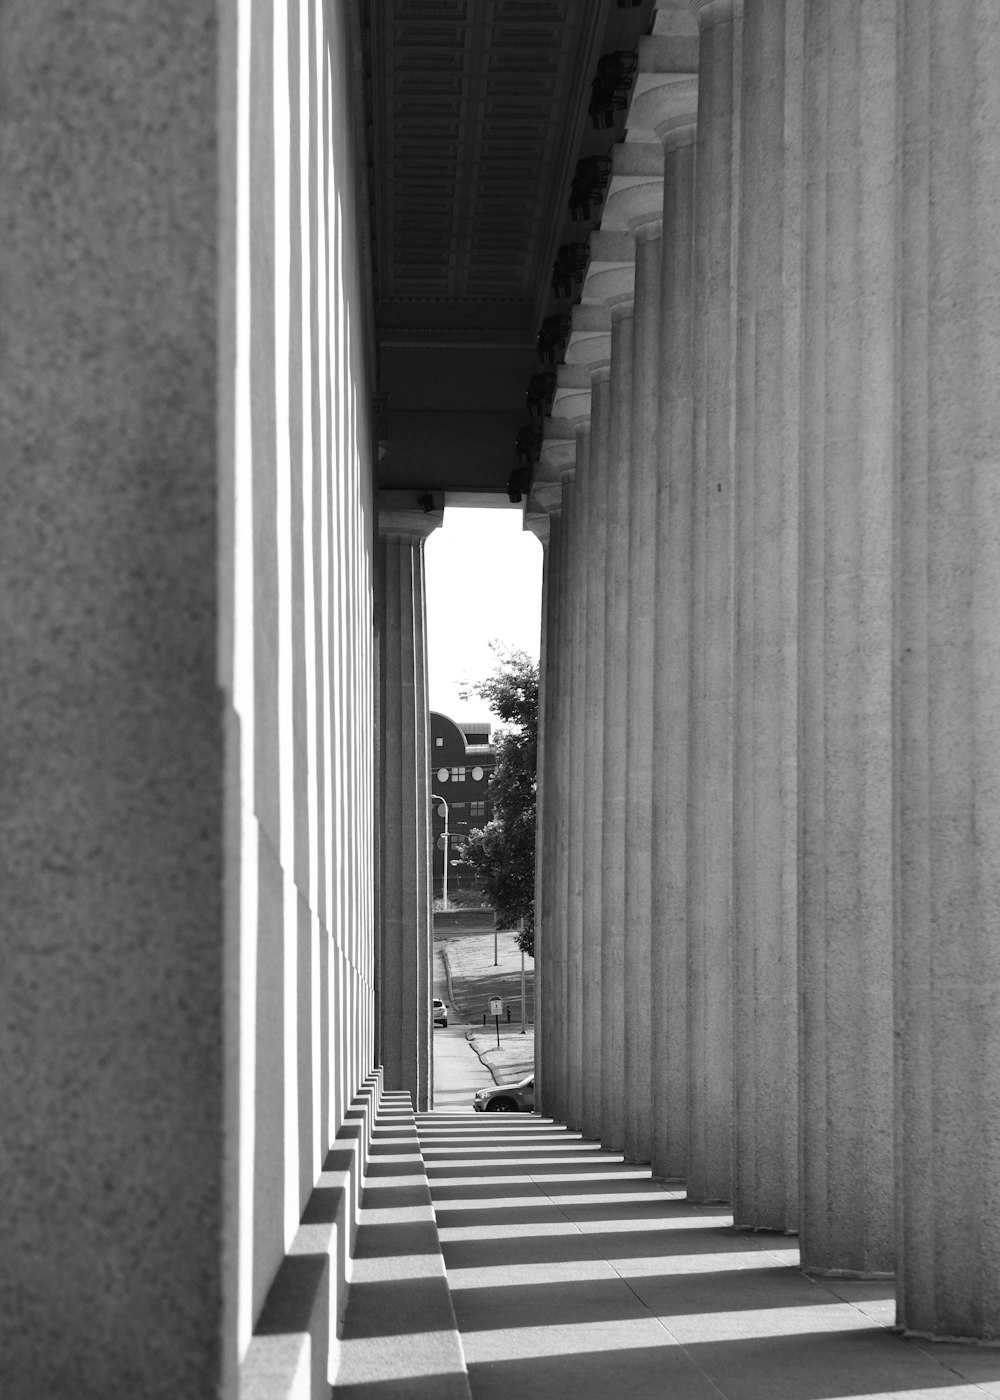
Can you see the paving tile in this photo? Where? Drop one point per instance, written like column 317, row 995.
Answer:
column 574, row 1274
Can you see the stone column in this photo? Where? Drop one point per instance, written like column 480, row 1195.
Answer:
column 663, row 108
column 765, row 1019
column 634, row 204
column 404, row 796
column 846, row 642
column 948, row 952
column 555, row 487
column 610, row 283
column 571, row 409
column 588, row 355
column 117, row 981
column 543, row 518
column 710, row 794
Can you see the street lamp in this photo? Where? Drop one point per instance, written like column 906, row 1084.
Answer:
column 444, row 863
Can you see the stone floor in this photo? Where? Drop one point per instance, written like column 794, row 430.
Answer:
column 571, row 1273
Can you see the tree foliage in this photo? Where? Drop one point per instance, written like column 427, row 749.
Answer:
column 503, row 852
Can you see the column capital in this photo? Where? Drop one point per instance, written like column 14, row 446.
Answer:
column 610, row 277
column 558, row 455
column 711, row 12
column 546, row 497
column 634, row 197
column 589, row 345
column 537, row 523
column 571, row 400
column 662, row 103
column 416, row 513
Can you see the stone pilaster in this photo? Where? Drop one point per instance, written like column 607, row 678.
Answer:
column 765, row 1010
column 405, row 887
column 710, row 793
column 846, row 642
column 948, row 679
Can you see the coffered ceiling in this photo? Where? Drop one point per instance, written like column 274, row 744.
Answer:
column 479, row 115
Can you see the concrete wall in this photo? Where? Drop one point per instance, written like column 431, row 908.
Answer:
column 186, row 804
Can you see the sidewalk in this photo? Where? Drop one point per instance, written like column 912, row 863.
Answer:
column 472, row 978
column 573, row 1275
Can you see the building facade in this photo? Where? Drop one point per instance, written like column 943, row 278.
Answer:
column 273, row 283
column 462, row 761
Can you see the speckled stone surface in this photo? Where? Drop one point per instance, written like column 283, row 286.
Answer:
column 948, row 953
column 110, row 741
column 710, row 792
column 765, row 851
column 846, row 747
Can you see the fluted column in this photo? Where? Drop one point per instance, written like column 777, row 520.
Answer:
column 948, row 951
column 405, row 889
column 765, row 1010
column 550, row 873
column 571, row 407
column 554, row 486
column 587, row 361
column 613, row 1002
column 663, row 108
column 846, row 642
column 710, row 795
column 610, row 284
column 634, row 204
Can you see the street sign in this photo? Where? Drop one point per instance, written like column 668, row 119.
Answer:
column 496, row 1006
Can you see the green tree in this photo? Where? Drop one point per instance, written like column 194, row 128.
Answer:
column 503, row 852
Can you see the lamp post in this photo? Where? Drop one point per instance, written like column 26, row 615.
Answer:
column 444, row 863
column 521, row 927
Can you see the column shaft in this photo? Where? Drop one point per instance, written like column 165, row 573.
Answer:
column 595, row 488
column 405, row 814
column 672, row 660
column 710, row 1083
column 639, row 714
column 765, row 1008
column 575, row 789
column 613, row 1008
column 846, row 637
column 948, row 953
column 549, row 921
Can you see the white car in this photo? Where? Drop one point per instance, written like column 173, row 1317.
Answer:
column 507, row 1098
column 440, row 1012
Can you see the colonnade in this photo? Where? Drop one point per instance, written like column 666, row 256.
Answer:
column 769, row 490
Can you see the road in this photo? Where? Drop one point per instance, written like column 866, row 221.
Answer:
column 458, row 1070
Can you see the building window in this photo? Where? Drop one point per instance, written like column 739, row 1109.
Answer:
column 477, row 774
column 439, row 743
column 477, row 809
column 442, row 775
column 458, row 775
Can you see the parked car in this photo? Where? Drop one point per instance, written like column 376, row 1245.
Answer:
column 440, row 1012
column 507, row 1098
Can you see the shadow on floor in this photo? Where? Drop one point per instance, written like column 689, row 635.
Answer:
column 574, row 1274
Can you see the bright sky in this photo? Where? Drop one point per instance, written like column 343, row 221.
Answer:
column 484, row 584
